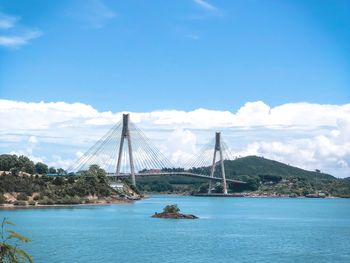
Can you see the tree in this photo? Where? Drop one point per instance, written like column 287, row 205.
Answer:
column 60, row 171
column 52, row 170
column 28, row 167
column 14, row 171
column 22, row 197
column 219, row 188
column 25, row 164
column 41, row 168
column 97, row 173
column 8, row 161
column 94, row 181
column 2, row 199
column 58, row 181
column 252, row 183
column 270, row 178
column 171, row 209
column 11, row 252
column 203, row 188
column 71, row 180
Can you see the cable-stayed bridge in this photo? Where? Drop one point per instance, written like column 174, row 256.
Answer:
column 125, row 151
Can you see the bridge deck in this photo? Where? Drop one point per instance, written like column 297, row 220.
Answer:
column 188, row 174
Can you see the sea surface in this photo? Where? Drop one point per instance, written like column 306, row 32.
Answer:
column 229, row 230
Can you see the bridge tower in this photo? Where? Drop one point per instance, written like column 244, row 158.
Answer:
column 125, row 135
column 218, row 148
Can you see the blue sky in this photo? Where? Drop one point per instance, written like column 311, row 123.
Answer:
column 186, row 54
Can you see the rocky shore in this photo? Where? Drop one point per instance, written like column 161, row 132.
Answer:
column 86, row 201
column 174, row 216
column 173, row 212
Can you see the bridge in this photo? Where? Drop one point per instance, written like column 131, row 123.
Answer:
column 125, row 152
column 186, row 174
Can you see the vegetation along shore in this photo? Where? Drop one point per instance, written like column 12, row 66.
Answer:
column 24, row 183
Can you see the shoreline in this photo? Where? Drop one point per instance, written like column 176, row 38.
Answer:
column 12, row 206
column 267, row 196
column 130, row 201
column 247, row 195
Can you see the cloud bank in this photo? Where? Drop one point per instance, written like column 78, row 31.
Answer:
column 311, row 136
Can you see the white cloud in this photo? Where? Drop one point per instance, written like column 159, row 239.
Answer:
column 209, row 11
column 14, row 35
column 19, row 40
column 58, row 162
column 307, row 135
column 180, row 145
column 7, row 21
column 33, row 139
column 205, row 5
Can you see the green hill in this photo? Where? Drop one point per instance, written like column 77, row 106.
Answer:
column 262, row 176
column 255, row 166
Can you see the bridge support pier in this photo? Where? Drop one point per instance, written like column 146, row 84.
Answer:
column 218, row 148
column 126, row 136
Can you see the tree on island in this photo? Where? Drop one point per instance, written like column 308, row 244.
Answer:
column 9, row 245
column 171, row 209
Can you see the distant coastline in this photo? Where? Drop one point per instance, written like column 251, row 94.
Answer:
column 38, row 206
column 255, row 195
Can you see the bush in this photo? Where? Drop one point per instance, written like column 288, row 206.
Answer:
column 14, row 171
column 2, row 199
column 270, row 178
column 69, row 201
column 36, row 198
column 203, row 188
column 219, row 188
column 171, row 209
column 88, row 201
column 71, row 180
column 46, row 201
column 21, row 203
column 31, row 203
column 41, row 168
column 22, row 197
column 58, row 181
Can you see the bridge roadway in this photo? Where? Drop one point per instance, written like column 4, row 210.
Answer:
column 188, row 174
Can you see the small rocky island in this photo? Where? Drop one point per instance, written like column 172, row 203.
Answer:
column 172, row 211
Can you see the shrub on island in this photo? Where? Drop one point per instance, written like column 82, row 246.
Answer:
column 173, row 211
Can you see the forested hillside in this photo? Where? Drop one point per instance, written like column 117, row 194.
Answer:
column 24, row 183
column 253, row 165
column 262, row 176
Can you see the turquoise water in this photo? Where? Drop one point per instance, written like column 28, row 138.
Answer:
column 229, row 230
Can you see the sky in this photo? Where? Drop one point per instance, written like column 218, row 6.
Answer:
column 273, row 75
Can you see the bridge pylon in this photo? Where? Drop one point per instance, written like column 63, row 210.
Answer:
column 218, row 149
column 125, row 135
